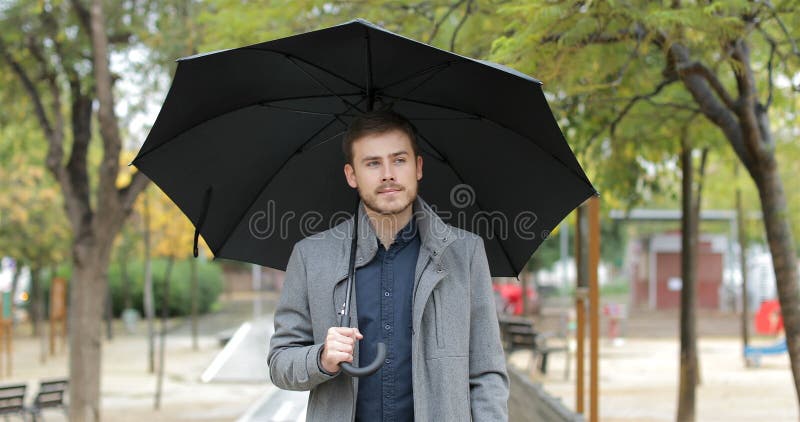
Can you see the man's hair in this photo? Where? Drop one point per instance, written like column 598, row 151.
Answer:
column 376, row 123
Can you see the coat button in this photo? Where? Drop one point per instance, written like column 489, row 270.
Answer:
column 434, row 253
column 438, row 270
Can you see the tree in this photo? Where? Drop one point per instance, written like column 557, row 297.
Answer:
column 60, row 53
column 725, row 55
column 29, row 230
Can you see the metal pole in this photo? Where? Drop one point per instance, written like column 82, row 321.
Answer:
column 581, row 293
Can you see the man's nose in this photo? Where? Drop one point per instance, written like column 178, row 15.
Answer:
column 388, row 174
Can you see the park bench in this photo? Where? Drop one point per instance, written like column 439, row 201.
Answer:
column 12, row 400
column 520, row 334
column 50, row 396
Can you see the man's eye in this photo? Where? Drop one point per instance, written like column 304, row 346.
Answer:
column 372, row 163
column 400, row 160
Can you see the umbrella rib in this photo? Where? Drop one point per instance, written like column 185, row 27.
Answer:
column 299, row 150
column 315, row 66
column 368, row 58
column 261, row 103
column 462, row 181
column 313, row 147
column 422, row 82
column 318, row 82
column 314, row 113
column 434, row 68
column 422, row 119
column 480, row 117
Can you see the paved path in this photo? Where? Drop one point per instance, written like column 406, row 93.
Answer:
column 244, row 360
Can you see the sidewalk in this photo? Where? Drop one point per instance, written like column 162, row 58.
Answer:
column 639, row 382
column 128, row 390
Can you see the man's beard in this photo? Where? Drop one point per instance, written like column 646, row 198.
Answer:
column 371, row 202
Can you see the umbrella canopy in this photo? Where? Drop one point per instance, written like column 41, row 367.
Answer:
column 248, row 142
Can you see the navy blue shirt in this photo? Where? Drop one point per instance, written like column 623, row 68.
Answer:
column 384, row 288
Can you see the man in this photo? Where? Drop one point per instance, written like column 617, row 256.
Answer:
column 422, row 287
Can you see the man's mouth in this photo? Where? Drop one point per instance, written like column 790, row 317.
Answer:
column 389, row 191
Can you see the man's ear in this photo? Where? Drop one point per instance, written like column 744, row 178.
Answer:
column 350, row 175
column 419, row 167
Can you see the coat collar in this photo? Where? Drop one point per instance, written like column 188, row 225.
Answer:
column 435, row 236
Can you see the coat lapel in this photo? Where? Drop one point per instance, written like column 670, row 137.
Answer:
column 435, row 237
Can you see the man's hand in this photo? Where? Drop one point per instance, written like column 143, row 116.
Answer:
column 339, row 346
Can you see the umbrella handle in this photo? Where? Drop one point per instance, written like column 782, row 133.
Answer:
column 369, row 369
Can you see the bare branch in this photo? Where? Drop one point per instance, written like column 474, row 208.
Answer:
column 108, row 201
column 83, row 15
column 700, row 69
column 467, row 12
column 700, row 179
column 128, row 194
column 628, row 106
column 30, row 88
column 710, row 104
column 120, row 38
column 795, row 50
column 439, row 23
column 749, row 106
column 636, row 99
column 601, row 38
column 77, row 165
column 770, row 82
column 674, row 105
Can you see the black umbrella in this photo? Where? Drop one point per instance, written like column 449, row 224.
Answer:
column 248, row 142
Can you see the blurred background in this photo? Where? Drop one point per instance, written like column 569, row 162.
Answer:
column 684, row 114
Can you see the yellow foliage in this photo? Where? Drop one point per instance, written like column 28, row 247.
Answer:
column 172, row 232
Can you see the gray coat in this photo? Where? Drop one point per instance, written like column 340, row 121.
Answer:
column 458, row 364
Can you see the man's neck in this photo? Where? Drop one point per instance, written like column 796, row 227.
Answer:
column 386, row 226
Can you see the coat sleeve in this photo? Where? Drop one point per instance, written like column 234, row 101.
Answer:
column 488, row 379
column 293, row 357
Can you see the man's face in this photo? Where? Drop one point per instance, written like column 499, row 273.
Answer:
column 385, row 171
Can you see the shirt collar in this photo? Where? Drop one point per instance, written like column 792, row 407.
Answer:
column 405, row 235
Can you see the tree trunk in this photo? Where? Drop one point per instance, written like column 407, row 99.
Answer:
column 745, row 124
column 163, row 343
column 784, row 259
column 740, row 233
column 35, row 301
column 125, row 281
column 109, row 313
column 689, row 373
column 149, row 307
column 86, row 298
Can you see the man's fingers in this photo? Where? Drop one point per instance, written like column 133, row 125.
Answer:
column 341, row 347
column 336, row 337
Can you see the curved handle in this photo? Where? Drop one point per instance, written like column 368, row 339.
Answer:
column 369, row 369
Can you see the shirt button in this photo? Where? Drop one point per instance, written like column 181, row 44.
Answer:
column 387, row 326
column 387, row 361
column 387, row 294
